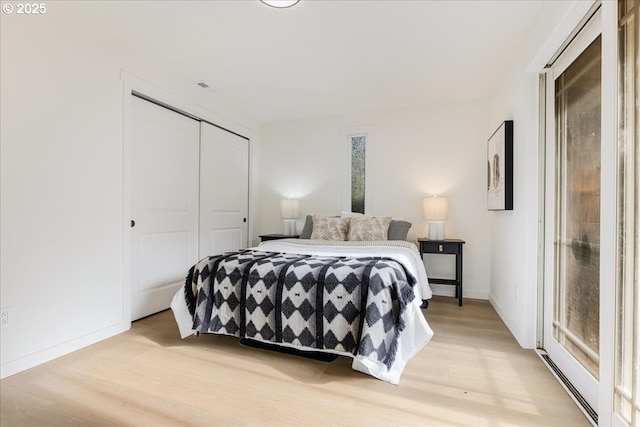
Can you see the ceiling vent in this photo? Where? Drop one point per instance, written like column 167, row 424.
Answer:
column 206, row 86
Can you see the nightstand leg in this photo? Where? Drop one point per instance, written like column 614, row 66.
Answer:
column 459, row 276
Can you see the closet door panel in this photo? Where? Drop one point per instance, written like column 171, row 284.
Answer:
column 164, row 204
column 224, row 190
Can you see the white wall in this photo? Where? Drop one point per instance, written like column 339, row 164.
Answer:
column 62, row 183
column 514, row 235
column 411, row 153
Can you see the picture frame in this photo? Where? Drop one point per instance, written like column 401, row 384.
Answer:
column 500, row 168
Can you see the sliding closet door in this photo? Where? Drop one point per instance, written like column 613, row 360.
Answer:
column 224, row 190
column 572, row 203
column 164, row 203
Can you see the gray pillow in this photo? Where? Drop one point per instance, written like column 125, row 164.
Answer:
column 307, row 229
column 397, row 229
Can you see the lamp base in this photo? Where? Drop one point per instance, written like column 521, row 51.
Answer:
column 436, row 230
column 289, row 227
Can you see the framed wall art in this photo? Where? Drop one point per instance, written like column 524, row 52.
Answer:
column 500, row 168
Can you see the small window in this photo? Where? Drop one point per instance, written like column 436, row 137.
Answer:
column 358, row 149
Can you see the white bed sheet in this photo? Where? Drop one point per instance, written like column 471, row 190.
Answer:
column 405, row 253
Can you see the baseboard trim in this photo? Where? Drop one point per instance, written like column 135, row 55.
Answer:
column 450, row 291
column 514, row 331
column 16, row 366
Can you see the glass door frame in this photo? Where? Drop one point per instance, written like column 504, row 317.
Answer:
column 577, row 15
column 584, row 381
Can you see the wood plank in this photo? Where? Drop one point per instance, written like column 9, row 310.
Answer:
column 472, row 373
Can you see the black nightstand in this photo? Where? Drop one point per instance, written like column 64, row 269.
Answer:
column 447, row 246
column 265, row 237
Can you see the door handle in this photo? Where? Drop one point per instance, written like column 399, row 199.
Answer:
column 244, row 219
column 133, row 223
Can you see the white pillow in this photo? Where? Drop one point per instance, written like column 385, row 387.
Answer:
column 345, row 214
column 369, row 228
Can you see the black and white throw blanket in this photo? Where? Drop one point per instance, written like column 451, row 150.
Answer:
column 357, row 306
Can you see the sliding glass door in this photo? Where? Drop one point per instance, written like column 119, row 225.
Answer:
column 572, row 212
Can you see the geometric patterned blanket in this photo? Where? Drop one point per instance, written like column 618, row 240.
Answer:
column 341, row 304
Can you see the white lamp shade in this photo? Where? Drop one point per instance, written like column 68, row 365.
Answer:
column 289, row 209
column 436, row 208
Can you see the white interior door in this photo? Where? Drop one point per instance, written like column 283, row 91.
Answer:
column 224, row 190
column 572, row 211
column 164, row 204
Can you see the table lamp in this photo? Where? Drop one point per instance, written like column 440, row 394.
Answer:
column 436, row 211
column 289, row 213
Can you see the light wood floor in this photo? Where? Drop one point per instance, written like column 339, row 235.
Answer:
column 472, row 373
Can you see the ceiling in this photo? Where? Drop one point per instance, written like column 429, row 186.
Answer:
column 321, row 57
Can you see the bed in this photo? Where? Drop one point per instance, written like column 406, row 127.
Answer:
column 355, row 298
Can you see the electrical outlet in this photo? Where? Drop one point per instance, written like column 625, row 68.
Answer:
column 4, row 317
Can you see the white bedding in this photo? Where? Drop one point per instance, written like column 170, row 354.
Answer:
column 405, row 253
column 416, row 332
